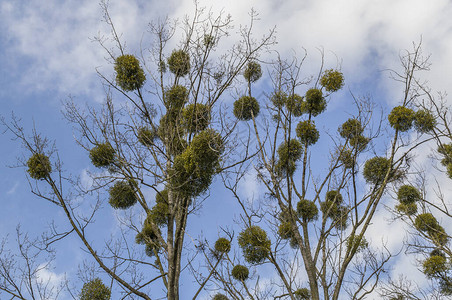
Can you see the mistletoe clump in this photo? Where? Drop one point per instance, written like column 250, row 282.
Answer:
column 332, row 80
column 176, row 97
column 375, row 169
column 193, row 170
column 307, row 132
column 351, row 128
column 446, row 151
column 401, row 118
column 95, row 290
column 408, row 194
column 435, row 266
column 408, row 209
column 347, row 159
column 102, row 155
column 332, row 208
column 129, row 75
column 334, row 196
column 149, row 237
column 302, row 294
column 279, row 99
column 222, row 245
column 307, row 210
column 179, row 63
column 255, row 244
column 122, row 194
column 358, row 241
column 253, row 71
column 146, row 136
column 246, row 108
column 159, row 214
column 209, row 40
column 289, row 152
column 240, row 272
column 427, row 223
column 424, row 121
column 285, row 230
column 196, row 117
column 295, row 104
column 220, row 297
column 314, row 103
column 39, row 166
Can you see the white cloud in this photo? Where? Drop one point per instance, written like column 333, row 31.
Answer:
column 51, row 39
column 13, row 189
column 48, row 278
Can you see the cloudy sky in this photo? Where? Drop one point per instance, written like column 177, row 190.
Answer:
column 48, row 54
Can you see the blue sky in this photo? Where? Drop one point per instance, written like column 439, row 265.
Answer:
column 47, row 55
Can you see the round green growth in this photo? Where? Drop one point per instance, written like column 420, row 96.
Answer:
column 336, row 212
column 39, row 166
column 223, row 245
column 375, row 169
column 293, row 243
column 240, row 272
column 351, row 128
column 358, row 241
column 220, row 297
column 122, row 194
column 102, row 155
column 426, row 222
column 279, row 99
column 332, row 80
column 424, row 121
column 255, row 244
column 246, row 108
column 209, row 40
column 129, row 75
column 408, row 209
column 95, row 290
column 253, row 71
column 159, row 214
column 193, row 170
column 446, row 151
column 437, row 252
column 176, row 97
column 435, row 266
column 347, row 159
column 359, row 142
column 179, row 63
column 285, row 230
column 445, row 286
column 334, row 197
column 286, row 215
column 196, row 117
column 408, row 194
column 289, row 152
column 314, row 103
column 307, row 210
column 302, row 294
column 295, row 104
column 146, row 136
column 449, row 170
column 307, row 132
column 149, row 237
column 340, row 220
column 401, row 118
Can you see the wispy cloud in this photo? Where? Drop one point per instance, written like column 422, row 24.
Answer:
column 12, row 190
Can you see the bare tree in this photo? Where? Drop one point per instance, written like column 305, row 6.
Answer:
column 422, row 204
column 320, row 199
column 166, row 134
